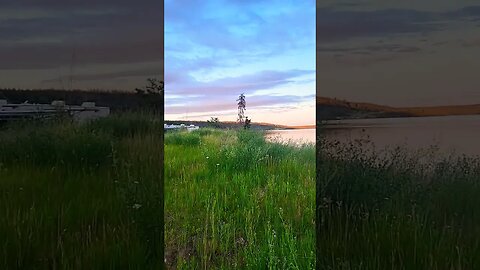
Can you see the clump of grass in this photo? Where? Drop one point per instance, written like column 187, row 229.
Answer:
column 52, row 148
column 183, row 138
column 396, row 210
column 240, row 202
column 207, row 131
column 247, row 150
column 77, row 197
column 126, row 124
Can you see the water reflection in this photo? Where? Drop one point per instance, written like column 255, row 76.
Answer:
column 292, row 136
column 451, row 134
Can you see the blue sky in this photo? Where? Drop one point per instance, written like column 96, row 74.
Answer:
column 216, row 50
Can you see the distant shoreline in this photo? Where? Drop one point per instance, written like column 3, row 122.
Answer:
column 231, row 125
column 334, row 109
column 303, row 127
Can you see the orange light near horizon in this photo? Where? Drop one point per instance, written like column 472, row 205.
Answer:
column 303, row 115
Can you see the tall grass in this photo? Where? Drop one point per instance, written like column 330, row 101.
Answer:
column 396, row 211
column 81, row 196
column 234, row 201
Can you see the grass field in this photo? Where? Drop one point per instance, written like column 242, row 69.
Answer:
column 396, row 212
column 90, row 196
column 234, row 201
column 82, row 196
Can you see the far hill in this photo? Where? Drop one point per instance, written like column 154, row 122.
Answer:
column 328, row 109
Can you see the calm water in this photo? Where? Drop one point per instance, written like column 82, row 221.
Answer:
column 451, row 134
column 297, row 136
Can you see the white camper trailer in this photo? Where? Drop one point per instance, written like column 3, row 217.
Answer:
column 87, row 111
column 180, row 127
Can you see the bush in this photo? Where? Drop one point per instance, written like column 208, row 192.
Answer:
column 182, row 138
column 249, row 151
column 125, row 125
column 48, row 148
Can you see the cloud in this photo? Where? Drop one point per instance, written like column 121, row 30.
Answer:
column 369, row 49
column 143, row 72
column 337, row 25
column 471, row 43
column 208, row 104
column 247, row 83
column 230, row 33
column 52, row 34
column 225, row 48
column 47, row 56
column 360, row 36
column 342, row 25
column 403, row 56
column 465, row 13
column 86, row 4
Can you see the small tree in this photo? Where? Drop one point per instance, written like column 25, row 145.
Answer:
column 152, row 95
column 153, row 87
column 241, row 108
column 214, row 122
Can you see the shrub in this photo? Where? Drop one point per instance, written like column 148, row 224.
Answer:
column 182, row 138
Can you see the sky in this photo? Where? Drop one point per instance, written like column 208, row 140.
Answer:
column 216, row 50
column 80, row 44
column 399, row 53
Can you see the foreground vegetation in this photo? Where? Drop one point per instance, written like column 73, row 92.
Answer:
column 82, row 196
column 234, row 201
column 396, row 211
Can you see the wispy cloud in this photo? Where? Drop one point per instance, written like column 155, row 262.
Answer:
column 342, row 25
column 334, row 24
column 248, row 83
column 40, row 38
column 404, row 53
column 213, row 106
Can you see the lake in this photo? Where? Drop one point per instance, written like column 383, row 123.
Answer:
column 451, row 134
column 295, row 136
